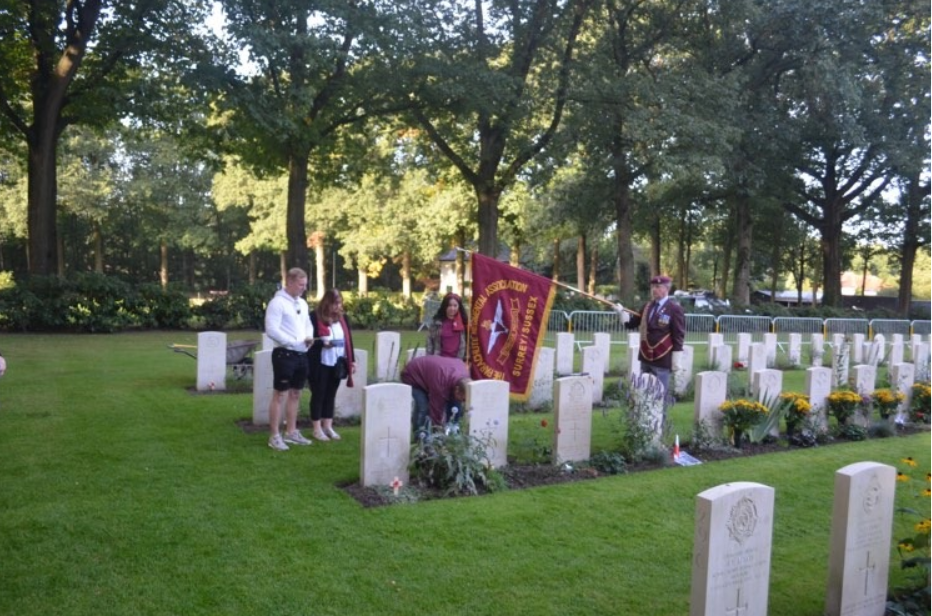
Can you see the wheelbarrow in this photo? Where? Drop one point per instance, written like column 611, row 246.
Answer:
column 238, row 355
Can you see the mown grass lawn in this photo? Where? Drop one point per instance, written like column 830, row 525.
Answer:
column 123, row 493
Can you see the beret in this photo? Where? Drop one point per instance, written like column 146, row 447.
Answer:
column 660, row 280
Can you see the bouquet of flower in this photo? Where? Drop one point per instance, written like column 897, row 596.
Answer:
column 886, row 401
column 797, row 408
column 741, row 415
column 843, row 403
column 919, row 406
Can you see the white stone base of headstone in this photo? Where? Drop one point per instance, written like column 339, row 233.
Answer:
column 385, row 437
column 572, row 416
column 261, row 387
column 682, row 374
column 770, row 343
column 818, row 387
column 721, row 358
column 592, row 366
column 634, row 364
column 603, row 341
column 859, row 548
column 566, row 344
column 487, row 404
column 387, row 356
column 348, row 402
column 794, row 350
column 211, row 361
column 542, row 387
column 744, row 347
column 731, row 550
column 711, row 392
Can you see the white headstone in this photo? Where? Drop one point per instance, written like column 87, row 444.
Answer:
column 412, row 353
column 565, row 347
column 682, row 374
column 592, row 366
column 542, row 387
column 634, row 339
column 721, row 359
column 744, row 347
column 647, row 397
column 487, row 404
column 767, row 385
column 731, row 550
column 920, row 356
column 716, row 339
column 896, row 339
column 211, row 361
column 840, row 364
column 857, row 348
column 711, row 392
column 794, row 352
column 859, row 548
column 349, row 402
column 387, row 356
column 896, row 352
column 634, row 364
column 757, row 358
column 817, row 349
column 603, row 341
column 879, row 352
column 838, row 339
column 818, row 387
column 770, row 343
column 261, row 387
column 863, row 379
column 572, row 416
column 385, row 438
column 902, row 376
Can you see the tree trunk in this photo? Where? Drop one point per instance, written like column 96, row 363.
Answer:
column 251, row 267
column 593, row 268
column 98, row 236
column 488, row 220
column 914, row 195
column 460, row 263
column 283, row 266
column 744, row 223
column 363, row 281
column 163, row 263
column 656, row 241
column 320, row 262
column 624, row 233
column 581, row 261
column 42, row 199
column 406, row 273
column 514, row 255
column 556, row 261
column 297, row 201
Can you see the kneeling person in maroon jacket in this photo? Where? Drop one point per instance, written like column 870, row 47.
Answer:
column 437, row 384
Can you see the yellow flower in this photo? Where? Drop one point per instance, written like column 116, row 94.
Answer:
column 923, row 527
column 902, row 477
column 927, row 492
column 909, row 462
column 906, row 546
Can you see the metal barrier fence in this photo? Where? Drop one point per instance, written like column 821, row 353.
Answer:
column 585, row 323
column 698, row 328
column 846, row 326
column 731, row 325
column 559, row 321
column 784, row 326
column 889, row 326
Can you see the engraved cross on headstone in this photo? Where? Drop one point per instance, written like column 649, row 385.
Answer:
column 387, row 439
column 736, row 611
column 868, row 569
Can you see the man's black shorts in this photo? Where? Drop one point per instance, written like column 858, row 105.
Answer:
column 289, row 369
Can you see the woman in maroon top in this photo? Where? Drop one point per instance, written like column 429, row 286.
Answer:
column 447, row 333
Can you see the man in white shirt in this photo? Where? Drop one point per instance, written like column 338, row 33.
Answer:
column 288, row 324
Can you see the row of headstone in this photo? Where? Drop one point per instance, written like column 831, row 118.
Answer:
column 386, row 425
column 732, row 545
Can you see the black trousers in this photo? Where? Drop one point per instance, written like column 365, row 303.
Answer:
column 324, row 383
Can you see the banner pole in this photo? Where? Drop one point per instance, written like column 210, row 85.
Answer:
column 575, row 290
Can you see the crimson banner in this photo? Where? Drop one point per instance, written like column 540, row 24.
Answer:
column 510, row 308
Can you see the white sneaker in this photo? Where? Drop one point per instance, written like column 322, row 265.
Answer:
column 332, row 434
column 296, row 438
column 320, row 436
column 276, row 443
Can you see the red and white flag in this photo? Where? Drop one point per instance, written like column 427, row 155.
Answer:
column 510, row 309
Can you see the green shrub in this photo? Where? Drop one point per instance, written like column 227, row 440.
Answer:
column 454, row 463
column 609, row 463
